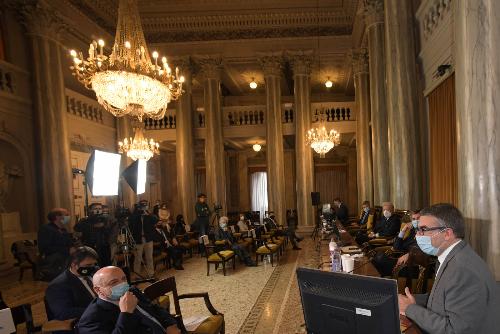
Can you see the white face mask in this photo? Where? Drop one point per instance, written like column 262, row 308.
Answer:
column 242, row 217
column 387, row 214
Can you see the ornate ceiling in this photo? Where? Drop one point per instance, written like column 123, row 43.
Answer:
column 241, row 30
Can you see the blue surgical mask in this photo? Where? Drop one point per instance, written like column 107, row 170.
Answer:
column 425, row 244
column 414, row 223
column 366, row 210
column 223, row 225
column 66, row 220
column 387, row 214
column 118, row 291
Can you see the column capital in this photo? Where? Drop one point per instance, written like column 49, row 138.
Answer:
column 39, row 18
column 210, row 66
column 271, row 64
column 301, row 62
column 360, row 61
column 374, row 12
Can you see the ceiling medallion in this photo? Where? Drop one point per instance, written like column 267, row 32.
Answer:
column 139, row 147
column 127, row 82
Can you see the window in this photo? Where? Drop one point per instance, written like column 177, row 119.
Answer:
column 258, row 189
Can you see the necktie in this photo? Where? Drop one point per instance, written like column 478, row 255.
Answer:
column 89, row 286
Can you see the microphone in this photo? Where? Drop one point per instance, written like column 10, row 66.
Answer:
column 360, row 266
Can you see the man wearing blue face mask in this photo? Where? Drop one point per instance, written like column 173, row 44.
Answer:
column 464, row 297
column 119, row 311
column 54, row 243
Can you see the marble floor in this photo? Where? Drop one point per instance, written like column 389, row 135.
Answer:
column 260, row 300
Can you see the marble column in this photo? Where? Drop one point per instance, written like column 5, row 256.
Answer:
column 402, row 105
column 374, row 17
column 55, row 183
column 304, row 164
column 477, row 73
column 214, row 139
column 185, row 144
column 124, row 130
column 363, row 131
column 271, row 66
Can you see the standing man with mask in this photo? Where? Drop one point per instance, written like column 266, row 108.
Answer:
column 54, row 243
column 142, row 226
column 202, row 214
column 464, row 297
column 120, row 311
column 69, row 294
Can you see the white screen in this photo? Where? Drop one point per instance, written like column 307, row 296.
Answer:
column 141, row 176
column 106, row 174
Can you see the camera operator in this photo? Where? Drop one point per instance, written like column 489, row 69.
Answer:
column 95, row 231
column 202, row 214
column 142, row 225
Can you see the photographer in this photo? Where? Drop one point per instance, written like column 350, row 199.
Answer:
column 94, row 232
column 202, row 214
column 142, row 225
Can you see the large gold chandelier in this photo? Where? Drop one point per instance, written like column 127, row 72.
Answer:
column 321, row 140
column 139, row 148
column 126, row 81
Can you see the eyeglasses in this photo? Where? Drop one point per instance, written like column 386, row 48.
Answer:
column 422, row 230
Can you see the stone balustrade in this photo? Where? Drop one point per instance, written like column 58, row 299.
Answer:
column 333, row 112
column 84, row 107
column 169, row 121
column 244, row 115
column 14, row 81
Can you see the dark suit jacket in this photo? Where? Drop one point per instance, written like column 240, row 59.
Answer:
column 52, row 240
column 464, row 298
column 136, row 226
column 388, row 227
column 66, row 297
column 404, row 245
column 342, row 213
column 104, row 317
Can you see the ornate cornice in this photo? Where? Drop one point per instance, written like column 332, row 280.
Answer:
column 271, row 65
column 210, row 66
column 301, row 62
column 374, row 12
column 360, row 61
column 39, row 18
column 431, row 13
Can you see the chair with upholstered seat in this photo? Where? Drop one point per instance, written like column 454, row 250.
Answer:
column 267, row 249
column 217, row 255
column 214, row 324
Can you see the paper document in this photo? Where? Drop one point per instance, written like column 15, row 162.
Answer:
column 6, row 322
column 191, row 323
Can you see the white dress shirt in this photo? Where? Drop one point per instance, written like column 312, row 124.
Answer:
column 444, row 254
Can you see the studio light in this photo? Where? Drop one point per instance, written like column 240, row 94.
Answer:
column 102, row 173
column 136, row 175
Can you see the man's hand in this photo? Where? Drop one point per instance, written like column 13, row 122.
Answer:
column 128, row 302
column 403, row 260
column 406, row 227
column 371, row 235
column 173, row 330
column 405, row 301
column 174, row 242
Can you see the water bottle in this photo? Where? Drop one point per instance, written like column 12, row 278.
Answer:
column 335, row 256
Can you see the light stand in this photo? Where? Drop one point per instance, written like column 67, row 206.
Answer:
column 77, row 171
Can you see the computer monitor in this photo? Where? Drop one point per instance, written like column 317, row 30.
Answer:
column 342, row 303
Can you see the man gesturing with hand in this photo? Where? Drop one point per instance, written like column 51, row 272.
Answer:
column 117, row 310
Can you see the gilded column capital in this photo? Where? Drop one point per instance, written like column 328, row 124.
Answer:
column 271, row 65
column 360, row 61
column 374, row 12
column 210, row 67
column 301, row 62
column 39, row 18
column 187, row 66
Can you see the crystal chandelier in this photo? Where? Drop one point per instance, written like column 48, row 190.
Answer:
column 321, row 140
column 127, row 81
column 139, row 147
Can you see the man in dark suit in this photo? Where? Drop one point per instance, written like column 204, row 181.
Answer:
column 54, row 243
column 120, row 311
column 464, row 297
column 341, row 211
column 165, row 235
column 69, row 294
column 222, row 233
column 388, row 225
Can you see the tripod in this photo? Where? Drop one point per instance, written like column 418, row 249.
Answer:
column 314, row 233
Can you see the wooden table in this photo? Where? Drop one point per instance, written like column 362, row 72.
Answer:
column 362, row 265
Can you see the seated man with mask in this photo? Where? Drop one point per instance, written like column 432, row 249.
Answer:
column 388, row 226
column 165, row 235
column 120, row 311
column 69, row 294
column 222, row 233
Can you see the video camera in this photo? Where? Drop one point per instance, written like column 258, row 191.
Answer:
column 217, row 208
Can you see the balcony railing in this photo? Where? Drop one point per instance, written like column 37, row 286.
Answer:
column 84, row 107
column 167, row 122
column 244, row 115
column 14, row 81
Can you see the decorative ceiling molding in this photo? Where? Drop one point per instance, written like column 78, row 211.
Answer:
column 431, row 13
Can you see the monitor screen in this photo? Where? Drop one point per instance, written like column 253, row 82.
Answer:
column 341, row 303
column 103, row 173
column 327, row 208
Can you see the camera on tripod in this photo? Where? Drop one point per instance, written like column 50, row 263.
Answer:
column 217, row 208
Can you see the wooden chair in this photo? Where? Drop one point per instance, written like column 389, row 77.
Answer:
column 218, row 254
column 22, row 315
column 26, row 255
column 215, row 324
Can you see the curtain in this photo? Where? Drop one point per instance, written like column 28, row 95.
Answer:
column 331, row 183
column 443, row 143
column 258, row 188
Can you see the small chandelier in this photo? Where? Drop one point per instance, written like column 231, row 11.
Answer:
column 139, row 147
column 257, row 147
column 127, row 81
column 321, row 140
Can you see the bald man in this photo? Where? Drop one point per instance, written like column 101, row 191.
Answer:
column 117, row 310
